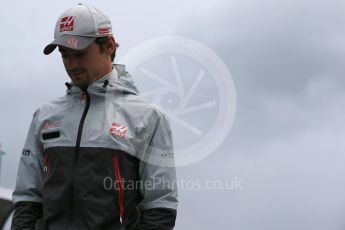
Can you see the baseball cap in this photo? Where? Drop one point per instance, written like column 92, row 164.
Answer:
column 78, row 27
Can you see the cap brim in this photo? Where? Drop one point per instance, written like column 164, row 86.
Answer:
column 69, row 41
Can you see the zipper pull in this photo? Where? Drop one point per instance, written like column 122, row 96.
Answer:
column 45, row 168
column 120, row 219
column 82, row 98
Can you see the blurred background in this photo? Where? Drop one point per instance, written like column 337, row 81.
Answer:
column 283, row 160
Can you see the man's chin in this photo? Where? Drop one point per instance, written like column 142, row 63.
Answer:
column 82, row 85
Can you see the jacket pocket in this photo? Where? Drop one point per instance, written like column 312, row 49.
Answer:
column 119, row 187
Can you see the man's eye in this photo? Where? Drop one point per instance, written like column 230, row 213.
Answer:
column 80, row 54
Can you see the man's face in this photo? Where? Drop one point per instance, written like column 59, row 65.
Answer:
column 87, row 65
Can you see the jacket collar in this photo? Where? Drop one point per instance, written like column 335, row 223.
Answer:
column 117, row 80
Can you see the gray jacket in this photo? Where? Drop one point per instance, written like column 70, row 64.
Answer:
column 99, row 159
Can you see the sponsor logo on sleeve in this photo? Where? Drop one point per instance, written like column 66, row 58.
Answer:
column 26, row 152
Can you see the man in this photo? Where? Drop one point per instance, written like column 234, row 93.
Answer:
column 85, row 148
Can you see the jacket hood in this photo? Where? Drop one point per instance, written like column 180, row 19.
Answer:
column 118, row 80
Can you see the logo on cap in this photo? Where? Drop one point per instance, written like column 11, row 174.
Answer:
column 72, row 42
column 104, row 30
column 67, row 23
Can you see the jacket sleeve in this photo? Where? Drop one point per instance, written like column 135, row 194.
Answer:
column 26, row 215
column 27, row 196
column 158, row 175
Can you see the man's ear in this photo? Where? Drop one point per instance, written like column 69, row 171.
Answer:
column 110, row 45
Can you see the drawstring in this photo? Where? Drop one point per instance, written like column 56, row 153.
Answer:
column 68, row 85
column 105, row 84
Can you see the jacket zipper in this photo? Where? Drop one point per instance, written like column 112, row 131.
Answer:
column 81, row 125
column 77, row 145
column 118, row 182
column 46, row 168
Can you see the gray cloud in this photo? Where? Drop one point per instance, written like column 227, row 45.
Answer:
column 287, row 140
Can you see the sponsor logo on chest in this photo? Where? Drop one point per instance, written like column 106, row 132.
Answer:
column 51, row 124
column 118, row 130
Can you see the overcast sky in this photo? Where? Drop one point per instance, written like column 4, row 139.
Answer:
column 286, row 146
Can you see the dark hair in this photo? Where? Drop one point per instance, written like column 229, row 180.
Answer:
column 101, row 41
